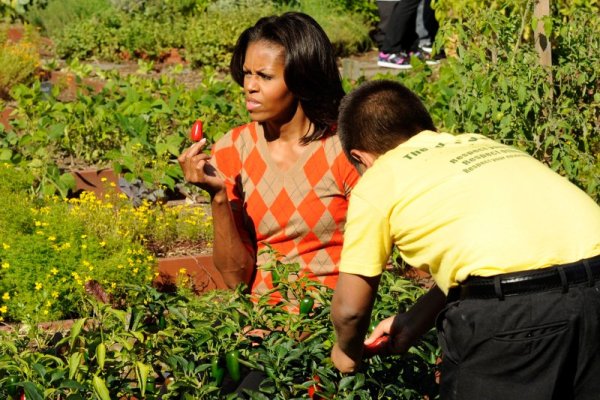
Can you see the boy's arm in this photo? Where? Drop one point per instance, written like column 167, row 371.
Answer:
column 351, row 313
column 407, row 328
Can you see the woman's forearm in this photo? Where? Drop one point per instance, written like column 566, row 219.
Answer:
column 230, row 256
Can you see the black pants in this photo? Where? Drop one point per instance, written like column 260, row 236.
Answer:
column 543, row 345
column 410, row 23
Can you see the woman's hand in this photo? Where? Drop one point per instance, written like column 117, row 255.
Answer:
column 198, row 171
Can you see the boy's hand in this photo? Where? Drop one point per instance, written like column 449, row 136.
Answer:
column 342, row 362
column 383, row 328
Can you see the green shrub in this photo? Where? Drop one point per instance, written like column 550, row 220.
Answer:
column 169, row 340
column 206, row 31
column 51, row 248
column 53, row 15
column 347, row 30
column 140, row 125
column 49, row 256
column 18, row 61
column 211, row 36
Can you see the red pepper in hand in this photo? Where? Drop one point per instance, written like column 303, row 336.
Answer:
column 375, row 348
column 196, row 132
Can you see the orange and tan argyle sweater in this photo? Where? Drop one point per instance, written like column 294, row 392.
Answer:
column 299, row 212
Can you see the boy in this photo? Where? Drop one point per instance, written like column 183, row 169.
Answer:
column 512, row 246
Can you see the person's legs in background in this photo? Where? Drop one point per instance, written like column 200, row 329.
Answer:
column 399, row 30
column 426, row 27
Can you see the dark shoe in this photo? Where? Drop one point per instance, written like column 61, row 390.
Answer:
column 393, row 60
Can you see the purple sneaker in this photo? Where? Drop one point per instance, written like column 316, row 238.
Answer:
column 393, row 60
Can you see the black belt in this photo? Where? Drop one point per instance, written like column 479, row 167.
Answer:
column 538, row 280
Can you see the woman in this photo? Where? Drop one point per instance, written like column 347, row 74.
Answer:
column 281, row 180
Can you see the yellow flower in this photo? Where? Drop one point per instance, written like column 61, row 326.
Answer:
column 5, row 246
column 102, row 243
column 3, row 309
column 38, row 286
column 6, row 296
column 182, row 270
column 54, row 295
column 52, row 238
column 54, row 271
column 84, row 246
column 5, row 265
column 103, row 179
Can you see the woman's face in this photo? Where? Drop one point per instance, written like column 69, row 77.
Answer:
column 267, row 96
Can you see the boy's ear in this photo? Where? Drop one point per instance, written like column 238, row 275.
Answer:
column 363, row 157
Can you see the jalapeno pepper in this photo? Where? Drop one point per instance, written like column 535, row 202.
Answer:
column 218, row 370
column 373, row 326
column 306, row 305
column 11, row 385
column 232, row 362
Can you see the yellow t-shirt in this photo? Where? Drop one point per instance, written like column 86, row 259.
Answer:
column 466, row 205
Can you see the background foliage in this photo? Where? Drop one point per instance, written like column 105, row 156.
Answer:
column 493, row 83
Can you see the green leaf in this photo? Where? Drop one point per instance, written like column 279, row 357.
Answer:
column 67, row 181
column 74, row 362
column 142, row 371
column 534, row 23
column 75, row 331
column 5, row 154
column 346, row 382
column 71, row 384
column 548, row 26
column 32, row 392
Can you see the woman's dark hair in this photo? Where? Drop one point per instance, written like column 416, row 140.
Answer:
column 310, row 70
column 379, row 115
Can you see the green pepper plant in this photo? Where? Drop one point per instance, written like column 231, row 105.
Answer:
column 178, row 345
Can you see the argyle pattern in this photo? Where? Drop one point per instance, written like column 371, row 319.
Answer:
column 299, row 212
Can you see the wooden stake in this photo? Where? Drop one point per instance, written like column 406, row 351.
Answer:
column 542, row 42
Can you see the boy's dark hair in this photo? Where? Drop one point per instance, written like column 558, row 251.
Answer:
column 311, row 72
column 379, row 115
